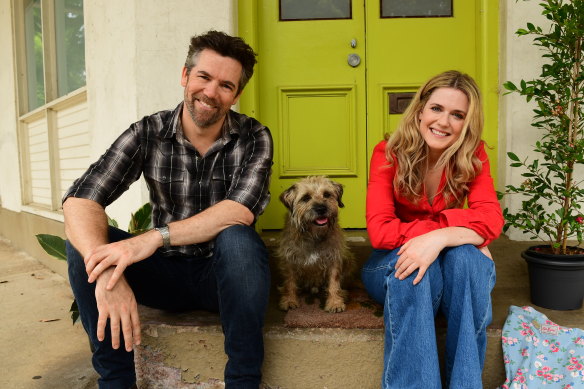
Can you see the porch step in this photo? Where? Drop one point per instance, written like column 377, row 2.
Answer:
column 186, row 350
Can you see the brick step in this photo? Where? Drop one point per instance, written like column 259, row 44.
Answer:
column 186, row 350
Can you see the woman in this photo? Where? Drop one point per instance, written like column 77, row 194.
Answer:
column 430, row 251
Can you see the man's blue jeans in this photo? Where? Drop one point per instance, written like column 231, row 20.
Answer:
column 234, row 281
column 459, row 283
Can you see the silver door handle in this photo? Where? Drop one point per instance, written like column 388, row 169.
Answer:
column 354, row 60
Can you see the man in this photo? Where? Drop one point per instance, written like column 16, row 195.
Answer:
column 207, row 169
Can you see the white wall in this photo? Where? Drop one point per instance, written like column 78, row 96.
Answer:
column 10, row 193
column 519, row 59
column 135, row 50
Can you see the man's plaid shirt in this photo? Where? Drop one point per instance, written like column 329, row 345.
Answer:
column 181, row 182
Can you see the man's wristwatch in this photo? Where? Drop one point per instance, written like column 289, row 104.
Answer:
column 165, row 236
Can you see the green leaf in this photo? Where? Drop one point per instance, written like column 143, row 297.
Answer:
column 53, row 245
column 141, row 220
column 509, row 86
column 74, row 311
column 513, row 156
column 112, row 222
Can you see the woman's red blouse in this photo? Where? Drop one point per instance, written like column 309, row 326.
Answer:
column 392, row 220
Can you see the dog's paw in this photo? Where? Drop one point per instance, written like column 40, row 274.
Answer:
column 287, row 303
column 335, row 306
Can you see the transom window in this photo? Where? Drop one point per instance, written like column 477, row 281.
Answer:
column 415, row 8
column 315, row 9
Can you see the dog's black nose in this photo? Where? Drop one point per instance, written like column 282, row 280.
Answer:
column 320, row 209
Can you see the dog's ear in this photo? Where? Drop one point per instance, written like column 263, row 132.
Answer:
column 287, row 197
column 339, row 193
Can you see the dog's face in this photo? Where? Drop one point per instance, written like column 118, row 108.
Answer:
column 313, row 203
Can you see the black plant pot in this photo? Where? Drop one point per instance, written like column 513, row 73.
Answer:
column 556, row 281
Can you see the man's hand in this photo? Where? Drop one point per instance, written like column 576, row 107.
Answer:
column 119, row 305
column 418, row 253
column 121, row 254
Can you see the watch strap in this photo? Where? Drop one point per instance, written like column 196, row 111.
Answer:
column 165, row 232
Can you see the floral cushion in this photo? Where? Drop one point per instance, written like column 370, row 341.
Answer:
column 538, row 353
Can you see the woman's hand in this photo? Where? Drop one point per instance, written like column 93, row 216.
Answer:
column 485, row 250
column 419, row 253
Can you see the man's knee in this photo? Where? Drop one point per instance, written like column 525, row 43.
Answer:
column 241, row 256
column 241, row 242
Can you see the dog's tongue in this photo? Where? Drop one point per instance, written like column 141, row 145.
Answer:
column 321, row 221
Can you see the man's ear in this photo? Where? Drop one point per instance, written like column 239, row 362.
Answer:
column 236, row 98
column 184, row 76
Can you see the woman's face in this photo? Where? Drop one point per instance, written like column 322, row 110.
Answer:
column 442, row 119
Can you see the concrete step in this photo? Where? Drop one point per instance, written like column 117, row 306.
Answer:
column 186, row 350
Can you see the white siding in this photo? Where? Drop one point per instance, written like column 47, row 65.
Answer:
column 38, row 144
column 73, row 144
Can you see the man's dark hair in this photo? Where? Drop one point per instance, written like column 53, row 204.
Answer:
column 227, row 46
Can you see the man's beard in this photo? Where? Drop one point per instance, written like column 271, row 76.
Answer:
column 205, row 119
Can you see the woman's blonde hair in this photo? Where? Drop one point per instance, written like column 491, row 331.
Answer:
column 407, row 146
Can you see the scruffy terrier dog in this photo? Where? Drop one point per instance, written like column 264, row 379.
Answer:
column 313, row 253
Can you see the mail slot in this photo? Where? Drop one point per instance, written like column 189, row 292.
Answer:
column 398, row 102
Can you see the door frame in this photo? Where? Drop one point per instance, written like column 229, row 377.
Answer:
column 487, row 54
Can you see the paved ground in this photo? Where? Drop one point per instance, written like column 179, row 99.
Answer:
column 39, row 347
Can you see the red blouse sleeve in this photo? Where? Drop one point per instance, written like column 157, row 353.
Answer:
column 385, row 229
column 483, row 214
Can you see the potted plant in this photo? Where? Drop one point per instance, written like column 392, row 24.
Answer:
column 552, row 191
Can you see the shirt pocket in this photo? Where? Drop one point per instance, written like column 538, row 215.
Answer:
column 221, row 182
column 167, row 186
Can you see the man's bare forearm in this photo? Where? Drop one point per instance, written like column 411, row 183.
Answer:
column 85, row 224
column 206, row 225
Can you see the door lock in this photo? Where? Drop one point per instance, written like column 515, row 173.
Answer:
column 354, row 60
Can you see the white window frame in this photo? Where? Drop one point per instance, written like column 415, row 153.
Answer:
column 48, row 111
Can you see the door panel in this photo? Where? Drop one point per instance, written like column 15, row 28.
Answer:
column 317, row 152
column 326, row 114
column 313, row 101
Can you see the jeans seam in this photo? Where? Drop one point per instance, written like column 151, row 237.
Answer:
column 486, row 313
column 392, row 327
column 437, row 300
column 371, row 270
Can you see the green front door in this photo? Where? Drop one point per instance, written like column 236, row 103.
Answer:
column 334, row 75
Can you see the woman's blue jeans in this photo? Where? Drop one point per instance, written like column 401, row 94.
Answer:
column 234, row 281
column 459, row 283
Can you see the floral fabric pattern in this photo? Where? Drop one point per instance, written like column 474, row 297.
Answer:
column 539, row 353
